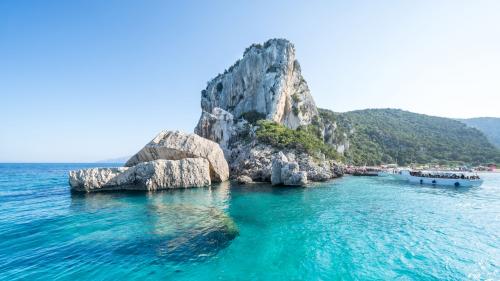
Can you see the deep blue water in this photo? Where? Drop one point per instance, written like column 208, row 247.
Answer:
column 348, row 229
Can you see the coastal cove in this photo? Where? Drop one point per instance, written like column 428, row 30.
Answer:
column 352, row 228
column 250, row 141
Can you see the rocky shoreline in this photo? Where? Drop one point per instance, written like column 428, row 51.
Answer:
column 265, row 84
column 171, row 160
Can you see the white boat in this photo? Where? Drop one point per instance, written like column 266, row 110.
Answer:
column 387, row 172
column 447, row 178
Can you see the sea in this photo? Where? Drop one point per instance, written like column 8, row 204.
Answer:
column 353, row 228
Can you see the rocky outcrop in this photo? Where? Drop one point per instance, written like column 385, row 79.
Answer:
column 171, row 160
column 265, row 84
column 221, row 127
column 256, row 162
column 152, row 175
column 284, row 172
column 331, row 134
column 175, row 145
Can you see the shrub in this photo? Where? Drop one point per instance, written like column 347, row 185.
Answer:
column 296, row 98
column 282, row 137
column 257, row 46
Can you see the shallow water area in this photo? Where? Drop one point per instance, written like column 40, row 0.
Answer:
column 354, row 228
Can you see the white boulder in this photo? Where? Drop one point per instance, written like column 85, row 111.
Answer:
column 284, row 172
column 176, row 145
column 153, row 175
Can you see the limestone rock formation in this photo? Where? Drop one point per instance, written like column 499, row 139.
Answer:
column 171, row 160
column 255, row 161
column 284, row 172
column 221, row 127
column 175, row 145
column 244, row 179
column 330, row 131
column 152, row 175
column 266, row 83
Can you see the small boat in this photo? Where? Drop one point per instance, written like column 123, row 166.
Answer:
column 446, row 178
column 387, row 172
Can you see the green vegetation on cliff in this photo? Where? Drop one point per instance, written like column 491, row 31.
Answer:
column 490, row 126
column 378, row 136
column 395, row 136
column 302, row 139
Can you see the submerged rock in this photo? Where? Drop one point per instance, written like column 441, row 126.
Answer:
column 175, row 145
column 152, row 175
column 174, row 233
column 201, row 231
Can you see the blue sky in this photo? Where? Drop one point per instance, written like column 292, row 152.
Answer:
column 87, row 80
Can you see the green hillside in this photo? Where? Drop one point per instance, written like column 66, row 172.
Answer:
column 396, row 136
column 490, row 126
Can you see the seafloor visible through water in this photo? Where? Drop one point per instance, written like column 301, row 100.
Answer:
column 350, row 229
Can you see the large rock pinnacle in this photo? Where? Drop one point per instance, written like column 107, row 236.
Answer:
column 265, row 84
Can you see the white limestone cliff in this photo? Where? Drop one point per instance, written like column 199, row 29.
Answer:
column 266, row 82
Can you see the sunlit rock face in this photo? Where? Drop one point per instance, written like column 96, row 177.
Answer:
column 172, row 159
column 256, row 162
column 176, row 145
column 266, row 83
column 152, row 175
column 285, row 172
column 219, row 126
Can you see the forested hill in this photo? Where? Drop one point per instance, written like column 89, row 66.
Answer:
column 396, row 136
column 490, row 126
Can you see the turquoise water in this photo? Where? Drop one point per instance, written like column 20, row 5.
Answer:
column 349, row 229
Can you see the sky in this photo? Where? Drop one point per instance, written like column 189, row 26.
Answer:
column 82, row 81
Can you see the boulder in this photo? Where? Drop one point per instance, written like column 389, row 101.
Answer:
column 244, row 180
column 296, row 179
column 291, row 175
column 152, row 175
column 278, row 161
column 285, row 172
column 175, row 145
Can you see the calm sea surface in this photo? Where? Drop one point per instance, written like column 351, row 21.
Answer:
column 348, row 229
